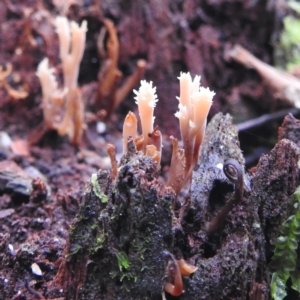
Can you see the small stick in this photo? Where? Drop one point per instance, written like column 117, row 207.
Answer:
column 256, row 122
column 285, row 85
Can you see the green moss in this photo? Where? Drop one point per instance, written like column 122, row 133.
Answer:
column 124, row 274
column 285, row 262
column 100, row 240
column 287, row 52
column 98, row 244
column 74, row 252
column 294, row 5
column 123, row 261
column 97, row 189
column 128, row 276
column 140, row 250
column 72, row 228
column 94, row 226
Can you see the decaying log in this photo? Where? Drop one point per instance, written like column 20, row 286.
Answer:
column 120, row 234
column 232, row 261
column 290, row 129
column 116, row 244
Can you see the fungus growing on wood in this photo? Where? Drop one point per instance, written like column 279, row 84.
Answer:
column 71, row 46
column 174, row 285
column 111, row 151
column 177, row 168
column 52, row 96
column 152, row 152
column 63, row 109
column 139, row 142
column 233, row 171
column 194, row 104
column 175, row 270
column 130, row 82
column 129, row 129
column 14, row 94
column 109, row 74
column 72, row 42
column 146, row 99
column 156, row 138
column 185, row 268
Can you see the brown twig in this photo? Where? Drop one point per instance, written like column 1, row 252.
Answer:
column 284, row 85
column 256, row 122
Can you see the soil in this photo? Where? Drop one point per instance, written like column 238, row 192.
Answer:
column 48, row 206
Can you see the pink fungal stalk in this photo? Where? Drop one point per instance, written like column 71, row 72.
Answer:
column 194, row 104
column 146, row 99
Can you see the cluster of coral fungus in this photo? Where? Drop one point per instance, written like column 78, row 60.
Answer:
column 194, row 104
column 63, row 108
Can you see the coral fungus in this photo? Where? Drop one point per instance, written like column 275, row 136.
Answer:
column 195, row 102
column 63, row 109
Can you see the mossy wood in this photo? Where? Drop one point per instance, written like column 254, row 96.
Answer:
column 117, row 240
column 120, row 234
